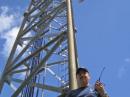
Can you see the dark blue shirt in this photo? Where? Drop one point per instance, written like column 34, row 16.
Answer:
column 83, row 92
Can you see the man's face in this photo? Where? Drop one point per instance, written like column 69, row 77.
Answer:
column 83, row 78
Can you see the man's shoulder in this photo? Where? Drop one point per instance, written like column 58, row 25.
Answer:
column 82, row 92
column 72, row 93
column 75, row 92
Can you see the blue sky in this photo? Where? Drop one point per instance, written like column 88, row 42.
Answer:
column 103, row 39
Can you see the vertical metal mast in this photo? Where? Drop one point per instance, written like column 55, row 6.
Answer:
column 44, row 51
column 71, row 44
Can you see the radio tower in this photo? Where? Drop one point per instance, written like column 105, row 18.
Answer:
column 44, row 55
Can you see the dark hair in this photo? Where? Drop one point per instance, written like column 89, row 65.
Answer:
column 81, row 69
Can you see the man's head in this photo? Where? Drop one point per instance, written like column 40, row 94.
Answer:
column 83, row 77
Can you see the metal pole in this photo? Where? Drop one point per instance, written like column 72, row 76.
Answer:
column 71, row 47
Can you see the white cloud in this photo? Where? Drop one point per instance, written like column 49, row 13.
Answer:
column 6, row 20
column 123, row 69
column 127, row 60
column 8, row 28
column 9, row 37
column 121, row 72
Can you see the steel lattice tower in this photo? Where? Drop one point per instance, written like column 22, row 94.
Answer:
column 44, row 52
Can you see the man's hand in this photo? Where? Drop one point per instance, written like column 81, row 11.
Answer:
column 100, row 89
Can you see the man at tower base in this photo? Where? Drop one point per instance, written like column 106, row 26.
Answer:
column 85, row 89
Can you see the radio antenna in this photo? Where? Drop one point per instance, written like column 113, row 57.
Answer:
column 101, row 73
